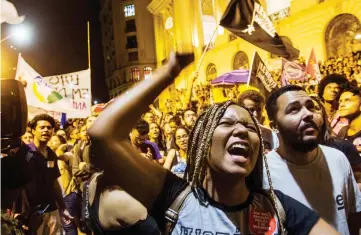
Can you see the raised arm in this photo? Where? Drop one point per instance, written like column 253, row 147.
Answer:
column 121, row 162
column 188, row 95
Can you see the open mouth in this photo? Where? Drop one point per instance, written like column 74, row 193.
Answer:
column 239, row 149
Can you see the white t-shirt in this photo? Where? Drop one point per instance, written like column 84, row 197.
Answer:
column 326, row 185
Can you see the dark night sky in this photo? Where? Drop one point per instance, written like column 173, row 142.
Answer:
column 59, row 40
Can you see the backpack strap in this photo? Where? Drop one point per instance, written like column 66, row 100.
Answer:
column 171, row 214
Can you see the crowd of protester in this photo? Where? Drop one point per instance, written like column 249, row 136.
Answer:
column 126, row 195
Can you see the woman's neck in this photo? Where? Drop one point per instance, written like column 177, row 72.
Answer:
column 227, row 190
column 183, row 154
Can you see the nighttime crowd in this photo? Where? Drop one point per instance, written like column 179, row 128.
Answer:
column 290, row 162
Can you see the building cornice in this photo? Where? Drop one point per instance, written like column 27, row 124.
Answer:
column 157, row 6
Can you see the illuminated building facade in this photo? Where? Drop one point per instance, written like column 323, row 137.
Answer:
column 128, row 43
column 328, row 26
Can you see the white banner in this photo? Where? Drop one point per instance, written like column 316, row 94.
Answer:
column 66, row 93
column 33, row 111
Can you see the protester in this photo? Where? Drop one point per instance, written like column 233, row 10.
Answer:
column 255, row 102
column 177, row 158
column 329, row 90
column 62, row 133
column 224, row 168
column 318, row 176
column 189, row 118
column 27, row 138
column 72, row 136
column 350, row 107
column 139, row 139
column 345, row 146
column 168, row 137
column 67, row 184
column 149, row 117
column 156, row 136
column 43, row 188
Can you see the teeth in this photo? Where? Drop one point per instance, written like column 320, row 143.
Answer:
column 239, row 146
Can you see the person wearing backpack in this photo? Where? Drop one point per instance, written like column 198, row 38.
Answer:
column 222, row 186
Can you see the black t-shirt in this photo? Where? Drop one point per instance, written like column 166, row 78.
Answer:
column 299, row 218
column 43, row 172
column 343, row 134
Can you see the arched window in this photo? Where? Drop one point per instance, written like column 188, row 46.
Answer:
column 134, row 74
column 340, row 35
column 240, row 61
column 147, row 73
column 211, row 72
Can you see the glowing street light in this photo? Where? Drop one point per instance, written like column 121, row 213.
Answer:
column 19, row 33
column 95, row 102
column 358, row 36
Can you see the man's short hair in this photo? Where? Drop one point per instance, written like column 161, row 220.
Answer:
column 184, row 113
column 354, row 90
column 177, row 120
column 253, row 95
column 142, row 127
column 332, row 78
column 41, row 117
column 271, row 104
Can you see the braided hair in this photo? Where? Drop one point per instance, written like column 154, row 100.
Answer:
column 199, row 145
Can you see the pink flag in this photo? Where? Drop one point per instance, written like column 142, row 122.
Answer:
column 312, row 67
column 292, row 71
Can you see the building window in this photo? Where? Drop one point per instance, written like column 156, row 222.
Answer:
column 129, row 10
column 130, row 26
column 132, row 42
column 240, row 61
column 134, row 74
column 147, row 73
column 211, row 72
column 133, row 56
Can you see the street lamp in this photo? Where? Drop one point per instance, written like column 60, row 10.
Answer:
column 18, row 32
column 95, row 102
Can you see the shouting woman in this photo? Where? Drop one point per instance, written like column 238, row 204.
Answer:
column 222, row 190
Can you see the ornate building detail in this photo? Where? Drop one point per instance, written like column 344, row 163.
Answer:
column 340, row 35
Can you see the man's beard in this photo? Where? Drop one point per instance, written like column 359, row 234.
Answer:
column 297, row 143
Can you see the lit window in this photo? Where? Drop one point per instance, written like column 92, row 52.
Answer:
column 134, row 74
column 147, row 73
column 129, row 10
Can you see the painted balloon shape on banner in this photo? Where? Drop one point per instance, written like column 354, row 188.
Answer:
column 44, row 92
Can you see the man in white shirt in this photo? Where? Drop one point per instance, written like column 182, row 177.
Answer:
column 318, row 176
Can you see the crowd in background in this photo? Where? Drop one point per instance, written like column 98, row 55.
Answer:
column 162, row 136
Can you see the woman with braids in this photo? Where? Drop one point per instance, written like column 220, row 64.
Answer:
column 177, row 158
column 221, row 190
